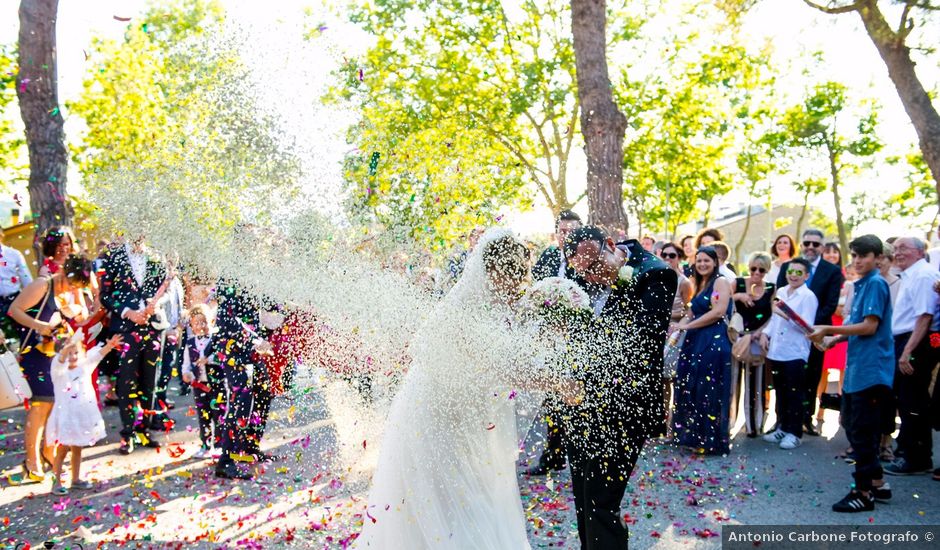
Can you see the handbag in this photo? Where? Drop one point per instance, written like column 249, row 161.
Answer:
column 735, row 327
column 13, row 387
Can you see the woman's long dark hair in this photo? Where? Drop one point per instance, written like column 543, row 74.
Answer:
column 702, row 282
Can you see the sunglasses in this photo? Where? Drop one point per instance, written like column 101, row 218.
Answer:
column 811, row 244
column 758, row 269
column 795, row 272
column 669, row 255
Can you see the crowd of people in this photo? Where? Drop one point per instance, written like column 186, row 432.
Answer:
column 738, row 343
column 160, row 322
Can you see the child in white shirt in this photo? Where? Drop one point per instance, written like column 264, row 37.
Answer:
column 75, row 421
column 787, row 352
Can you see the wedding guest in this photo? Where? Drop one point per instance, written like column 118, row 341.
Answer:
column 37, row 310
column 673, row 254
column 886, row 268
column 202, row 371
column 703, row 376
column 688, row 250
column 130, row 283
column 787, row 350
column 707, row 236
column 552, row 263
column 647, row 243
column 753, row 299
column 869, row 374
column 169, row 313
column 75, row 421
column 237, row 339
column 834, row 358
column 58, row 244
column 14, row 277
column 783, row 250
column 632, row 308
column 833, row 254
column 911, row 324
column 725, row 269
column 825, row 280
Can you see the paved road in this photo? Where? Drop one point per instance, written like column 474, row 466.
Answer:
column 165, row 498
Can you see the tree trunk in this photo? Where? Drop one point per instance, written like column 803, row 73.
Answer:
column 834, row 170
column 37, row 92
column 799, row 221
column 916, row 101
column 602, row 124
column 747, row 227
column 708, row 211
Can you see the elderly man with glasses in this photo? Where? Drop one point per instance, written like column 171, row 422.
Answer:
column 825, row 281
column 913, row 328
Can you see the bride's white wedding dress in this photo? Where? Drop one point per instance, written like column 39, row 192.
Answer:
column 446, row 475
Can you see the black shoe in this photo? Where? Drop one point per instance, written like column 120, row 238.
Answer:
column 903, row 467
column 233, row 471
column 170, row 405
column 809, row 429
column 127, row 446
column 854, row 502
column 110, row 402
column 881, row 494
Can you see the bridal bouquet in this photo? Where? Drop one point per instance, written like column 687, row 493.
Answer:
column 558, row 300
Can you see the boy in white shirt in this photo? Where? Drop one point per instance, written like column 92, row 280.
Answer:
column 787, row 352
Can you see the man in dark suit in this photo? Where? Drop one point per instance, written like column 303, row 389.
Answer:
column 237, row 341
column 130, row 281
column 825, row 280
column 552, row 263
column 621, row 365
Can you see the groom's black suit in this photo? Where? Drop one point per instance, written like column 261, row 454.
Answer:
column 621, row 366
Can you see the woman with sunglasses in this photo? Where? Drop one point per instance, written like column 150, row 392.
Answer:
column 753, row 299
column 673, row 255
column 783, row 250
column 703, row 375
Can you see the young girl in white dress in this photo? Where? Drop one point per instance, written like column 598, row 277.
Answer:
column 75, row 421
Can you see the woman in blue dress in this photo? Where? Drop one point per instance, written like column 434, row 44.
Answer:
column 703, row 375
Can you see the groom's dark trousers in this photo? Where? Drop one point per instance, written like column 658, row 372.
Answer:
column 598, row 485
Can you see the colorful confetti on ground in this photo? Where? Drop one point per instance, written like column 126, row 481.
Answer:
column 153, row 499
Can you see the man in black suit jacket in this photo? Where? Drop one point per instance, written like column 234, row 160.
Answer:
column 130, row 280
column 552, row 263
column 826, row 283
column 621, row 365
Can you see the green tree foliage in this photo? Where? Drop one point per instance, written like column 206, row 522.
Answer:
column 13, row 165
column 172, row 119
column 822, row 124
column 694, row 134
column 465, row 104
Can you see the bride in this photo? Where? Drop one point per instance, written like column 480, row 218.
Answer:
column 446, row 475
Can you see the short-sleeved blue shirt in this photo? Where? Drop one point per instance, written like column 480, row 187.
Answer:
column 870, row 359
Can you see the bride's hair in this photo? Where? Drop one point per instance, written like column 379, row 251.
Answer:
column 507, row 258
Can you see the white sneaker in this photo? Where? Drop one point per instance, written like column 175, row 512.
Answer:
column 790, row 441
column 203, row 452
column 775, row 436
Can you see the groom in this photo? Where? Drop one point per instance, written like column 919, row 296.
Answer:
column 621, row 367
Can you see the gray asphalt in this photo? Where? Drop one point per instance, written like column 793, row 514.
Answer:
column 168, row 499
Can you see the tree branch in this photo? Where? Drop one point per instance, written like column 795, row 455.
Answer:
column 906, row 25
column 834, row 10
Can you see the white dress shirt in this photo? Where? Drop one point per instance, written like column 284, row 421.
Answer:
column 787, row 341
column 14, row 274
column 916, row 296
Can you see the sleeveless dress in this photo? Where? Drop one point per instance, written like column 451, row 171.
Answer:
column 703, row 383
column 36, row 364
